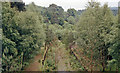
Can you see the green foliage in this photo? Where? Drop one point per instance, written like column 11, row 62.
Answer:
column 98, row 30
column 55, row 14
column 72, row 12
column 11, row 60
column 19, row 5
column 31, row 31
column 71, row 20
column 49, row 35
column 68, row 37
column 25, row 32
column 32, row 7
column 23, row 35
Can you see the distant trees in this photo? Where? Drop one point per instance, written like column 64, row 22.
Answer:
column 72, row 12
column 32, row 7
column 55, row 14
column 27, row 28
column 19, row 5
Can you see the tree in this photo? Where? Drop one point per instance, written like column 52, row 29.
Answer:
column 31, row 31
column 11, row 59
column 71, row 20
column 61, row 21
column 55, row 14
column 32, row 7
column 95, row 26
column 49, row 35
column 23, row 35
column 19, row 5
column 72, row 12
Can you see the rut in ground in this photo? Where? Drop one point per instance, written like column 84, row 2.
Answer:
column 62, row 55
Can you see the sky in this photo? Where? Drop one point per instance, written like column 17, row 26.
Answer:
column 66, row 4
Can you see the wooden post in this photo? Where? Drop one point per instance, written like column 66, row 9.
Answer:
column 91, row 58
column 45, row 54
column 22, row 59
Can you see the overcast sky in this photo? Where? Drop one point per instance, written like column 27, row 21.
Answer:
column 66, row 4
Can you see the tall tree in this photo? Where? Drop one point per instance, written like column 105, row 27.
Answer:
column 23, row 35
column 95, row 23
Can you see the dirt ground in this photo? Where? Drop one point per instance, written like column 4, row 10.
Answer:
column 34, row 66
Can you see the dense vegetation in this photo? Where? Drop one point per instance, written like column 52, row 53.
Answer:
column 89, row 36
